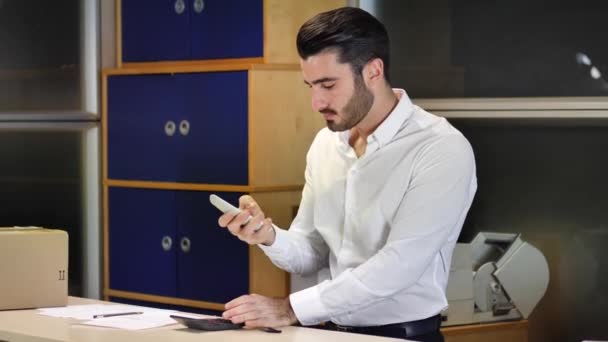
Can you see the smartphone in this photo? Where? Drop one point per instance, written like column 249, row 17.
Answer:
column 222, row 205
column 226, row 207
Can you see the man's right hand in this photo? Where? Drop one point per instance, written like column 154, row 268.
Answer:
column 250, row 225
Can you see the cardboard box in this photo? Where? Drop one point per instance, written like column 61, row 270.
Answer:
column 33, row 268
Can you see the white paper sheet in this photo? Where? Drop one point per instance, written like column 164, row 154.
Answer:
column 90, row 310
column 133, row 322
column 145, row 319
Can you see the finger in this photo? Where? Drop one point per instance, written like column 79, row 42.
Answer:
column 253, row 226
column 238, row 311
column 253, row 324
column 266, row 234
column 245, row 201
column 263, row 322
column 238, row 301
column 235, row 226
column 253, row 208
column 266, row 223
column 258, row 227
column 243, row 218
column 245, row 317
column 225, row 219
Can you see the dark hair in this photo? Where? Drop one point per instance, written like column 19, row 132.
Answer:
column 356, row 35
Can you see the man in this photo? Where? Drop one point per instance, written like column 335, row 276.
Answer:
column 387, row 190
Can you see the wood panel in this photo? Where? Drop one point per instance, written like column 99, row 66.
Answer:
column 282, row 127
column 104, row 177
column 192, row 63
column 282, row 20
column 194, row 66
column 516, row 331
column 105, row 241
column 170, row 68
column 118, row 32
column 197, row 187
column 265, row 278
column 164, row 300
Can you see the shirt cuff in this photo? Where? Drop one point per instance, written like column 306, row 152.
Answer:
column 280, row 244
column 308, row 307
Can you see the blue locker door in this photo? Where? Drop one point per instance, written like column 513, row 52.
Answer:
column 215, row 149
column 227, row 29
column 142, row 241
column 139, row 109
column 155, row 31
column 216, row 267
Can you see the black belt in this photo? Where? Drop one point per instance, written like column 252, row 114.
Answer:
column 399, row 330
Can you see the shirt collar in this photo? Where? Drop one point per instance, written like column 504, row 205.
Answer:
column 391, row 125
column 395, row 119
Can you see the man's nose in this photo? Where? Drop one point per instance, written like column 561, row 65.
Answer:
column 319, row 102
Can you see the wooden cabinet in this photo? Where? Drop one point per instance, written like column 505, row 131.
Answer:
column 188, row 127
column 259, row 31
column 249, row 127
column 141, row 236
column 169, row 30
column 178, row 127
column 168, row 243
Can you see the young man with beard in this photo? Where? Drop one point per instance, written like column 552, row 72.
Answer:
column 388, row 187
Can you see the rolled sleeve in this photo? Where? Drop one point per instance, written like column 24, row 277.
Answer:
column 308, row 307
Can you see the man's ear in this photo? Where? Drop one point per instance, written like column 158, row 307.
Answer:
column 373, row 72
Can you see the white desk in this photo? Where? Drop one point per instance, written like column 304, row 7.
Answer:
column 29, row 326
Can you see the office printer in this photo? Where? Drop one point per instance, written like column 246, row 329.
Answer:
column 496, row 277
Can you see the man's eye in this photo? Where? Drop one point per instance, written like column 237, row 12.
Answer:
column 327, row 86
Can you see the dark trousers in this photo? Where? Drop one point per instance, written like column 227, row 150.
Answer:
column 424, row 330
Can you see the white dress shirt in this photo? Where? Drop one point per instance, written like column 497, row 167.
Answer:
column 385, row 223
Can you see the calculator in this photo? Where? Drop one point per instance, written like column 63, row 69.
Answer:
column 209, row 324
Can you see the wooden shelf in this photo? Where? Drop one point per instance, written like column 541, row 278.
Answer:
column 513, row 331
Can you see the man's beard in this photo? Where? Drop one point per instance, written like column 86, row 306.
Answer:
column 355, row 109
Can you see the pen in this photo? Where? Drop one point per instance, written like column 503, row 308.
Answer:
column 117, row 314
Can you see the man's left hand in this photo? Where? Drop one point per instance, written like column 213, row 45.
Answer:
column 258, row 311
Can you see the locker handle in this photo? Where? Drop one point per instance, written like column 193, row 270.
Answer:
column 166, row 242
column 185, row 244
column 179, row 6
column 198, row 5
column 170, row 128
column 184, row 127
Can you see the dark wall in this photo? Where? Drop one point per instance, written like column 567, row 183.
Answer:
column 41, row 185
column 548, row 181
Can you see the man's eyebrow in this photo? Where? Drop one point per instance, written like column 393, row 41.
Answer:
column 322, row 80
